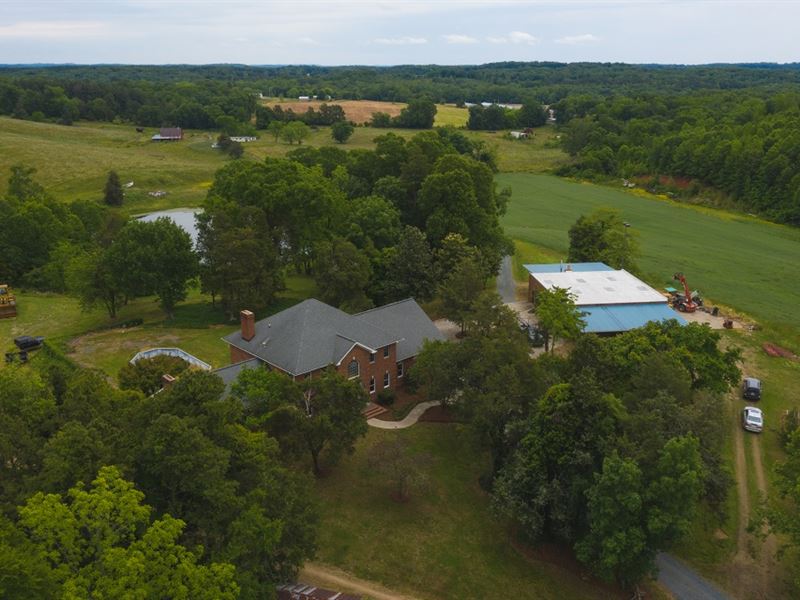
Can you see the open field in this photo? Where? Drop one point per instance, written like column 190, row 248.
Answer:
column 449, row 547
column 747, row 264
column 539, row 154
column 360, row 111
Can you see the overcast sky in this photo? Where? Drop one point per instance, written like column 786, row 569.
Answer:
column 398, row 32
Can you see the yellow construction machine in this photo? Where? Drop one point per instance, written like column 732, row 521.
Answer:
column 8, row 304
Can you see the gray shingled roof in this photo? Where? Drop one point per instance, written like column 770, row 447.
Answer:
column 406, row 321
column 230, row 373
column 309, row 336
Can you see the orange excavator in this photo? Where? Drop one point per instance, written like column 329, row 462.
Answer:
column 688, row 301
column 8, row 303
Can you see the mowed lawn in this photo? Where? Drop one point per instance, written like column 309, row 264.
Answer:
column 443, row 543
column 747, row 264
column 84, row 335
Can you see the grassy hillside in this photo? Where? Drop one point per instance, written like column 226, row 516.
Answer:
column 742, row 262
column 73, row 162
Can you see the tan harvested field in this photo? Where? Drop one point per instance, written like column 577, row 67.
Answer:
column 360, row 111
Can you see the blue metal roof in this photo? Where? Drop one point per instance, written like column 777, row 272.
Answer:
column 611, row 318
column 559, row 267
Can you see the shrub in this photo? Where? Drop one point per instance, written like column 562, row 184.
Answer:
column 385, row 397
column 145, row 375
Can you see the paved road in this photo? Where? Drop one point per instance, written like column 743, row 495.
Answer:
column 684, row 583
column 506, row 286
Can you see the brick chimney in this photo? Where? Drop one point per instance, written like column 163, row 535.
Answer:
column 248, row 325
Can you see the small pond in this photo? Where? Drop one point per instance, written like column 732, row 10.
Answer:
column 183, row 217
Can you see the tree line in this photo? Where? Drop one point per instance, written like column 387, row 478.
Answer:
column 740, row 143
column 494, row 82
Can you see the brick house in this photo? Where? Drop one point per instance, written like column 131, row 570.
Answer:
column 377, row 346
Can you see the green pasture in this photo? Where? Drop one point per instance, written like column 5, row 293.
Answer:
column 442, row 543
column 72, row 162
column 541, row 153
column 447, row 114
column 747, row 264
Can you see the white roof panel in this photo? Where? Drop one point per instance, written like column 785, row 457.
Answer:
column 601, row 287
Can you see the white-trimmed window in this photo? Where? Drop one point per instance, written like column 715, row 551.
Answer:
column 371, row 385
column 386, row 379
column 371, row 357
column 353, row 369
column 400, row 368
column 386, row 352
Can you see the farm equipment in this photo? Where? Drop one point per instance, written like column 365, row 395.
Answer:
column 686, row 301
column 8, row 303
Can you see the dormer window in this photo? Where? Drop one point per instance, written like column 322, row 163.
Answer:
column 353, row 369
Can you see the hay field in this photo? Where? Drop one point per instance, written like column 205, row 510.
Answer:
column 360, row 111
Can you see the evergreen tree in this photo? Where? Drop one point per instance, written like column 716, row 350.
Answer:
column 113, row 191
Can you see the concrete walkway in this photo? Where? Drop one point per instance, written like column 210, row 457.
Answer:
column 410, row 419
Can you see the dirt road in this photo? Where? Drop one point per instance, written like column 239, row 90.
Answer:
column 752, row 569
column 341, row 581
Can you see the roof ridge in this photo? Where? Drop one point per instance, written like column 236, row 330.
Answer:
column 304, row 316
column 363, row 312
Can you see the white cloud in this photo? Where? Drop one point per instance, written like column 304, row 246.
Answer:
column 405, row 40
column 520, row 37
column 308, row 41
column 586, row 38
column 515, row 37
column 457, row 38
column 53, row 30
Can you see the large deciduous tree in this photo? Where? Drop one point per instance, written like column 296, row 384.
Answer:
column 405, row 270
column 322, row 415
column 342, row 274
column 461, row 287
column 602, row 236
column 27, row 410
column 341, row 131
column 153, row 258
column 295, row 131
column 102, row 543
column 258, row 217
column 418, row 114
column 558, row 316
column 633, row 514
